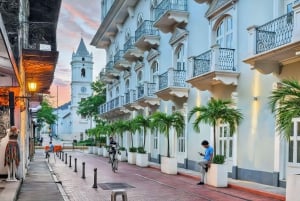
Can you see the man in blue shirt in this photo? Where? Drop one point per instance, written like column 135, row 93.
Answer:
column 207, row 158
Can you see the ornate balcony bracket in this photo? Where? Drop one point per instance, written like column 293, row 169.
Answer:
column 172, row 19
column 178, row 35
column 153, row 53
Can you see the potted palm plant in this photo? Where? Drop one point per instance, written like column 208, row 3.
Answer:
column 142, row 156
column 164, row 123
column 131, row 127
column 214, row 112
column 120, row 126
column 284, row 102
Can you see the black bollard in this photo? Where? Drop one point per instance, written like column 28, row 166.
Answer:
column 95, row 178
column 62, row 157
column 75, row 169
column 70, row 161
column 66, row 160
column 83, row 170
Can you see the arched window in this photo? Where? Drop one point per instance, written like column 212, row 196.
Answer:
column 154, row 72
column 139, row 77
column 117, row 91
column 224, row 33
column 127, row 85
column 180, row 63
column 139, row 19
column 82, row 72
column 82, row 59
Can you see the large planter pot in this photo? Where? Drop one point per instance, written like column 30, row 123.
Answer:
column 168, row 165
column 105, row 152
column 90, row 149
column 292, row 187
column 122, row 156
column 217, row 175
column 142, row 160
column 132, row 158
column 95, row 150
column 100, row 151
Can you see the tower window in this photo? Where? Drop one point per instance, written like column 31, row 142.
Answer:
column 82, row 72
column 82, row 59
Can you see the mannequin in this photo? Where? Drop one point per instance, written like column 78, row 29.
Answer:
column 12, row 153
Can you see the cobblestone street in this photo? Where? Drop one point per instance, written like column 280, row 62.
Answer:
column 148, row 184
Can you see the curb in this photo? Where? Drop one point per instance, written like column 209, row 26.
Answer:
column 234, row 186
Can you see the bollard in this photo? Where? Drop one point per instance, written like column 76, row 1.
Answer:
column 62, row 157
column 66, row 160
column 70, row 161
column 117, row 192
column 75, row 169
column 83, row 170
column 95, row 178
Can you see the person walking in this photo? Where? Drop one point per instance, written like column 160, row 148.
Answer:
column 206, row 161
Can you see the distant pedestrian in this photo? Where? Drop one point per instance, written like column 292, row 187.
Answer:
column 206, row 161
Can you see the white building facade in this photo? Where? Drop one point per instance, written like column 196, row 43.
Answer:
column 71, row 125
column 173, row 55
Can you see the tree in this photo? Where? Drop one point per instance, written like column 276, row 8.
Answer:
column 143, row 123
column 89, row 107
column 164, row 122
column 215, row 111
column 131, row 126
column 120, row 128
column 284, row 103
column 45, row 114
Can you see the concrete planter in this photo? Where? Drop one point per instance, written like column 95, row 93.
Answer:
column 292, row 187
column 168, row 165
column 90, row 150
column 95, row 150
column 100, row 151
column 217, row 175
column 132, row 158
column 142, row 160
column 122, row 156
column 105, row 152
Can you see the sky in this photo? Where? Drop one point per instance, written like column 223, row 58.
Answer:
column 77, row 18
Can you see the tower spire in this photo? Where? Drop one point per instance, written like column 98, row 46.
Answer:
column 82, row 50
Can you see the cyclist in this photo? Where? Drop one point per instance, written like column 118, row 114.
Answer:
column 112, row 148
column 51, row 149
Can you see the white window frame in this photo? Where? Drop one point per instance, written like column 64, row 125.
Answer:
column 155, row 139
column 224, row 139
column 223, row 32
column 181, row 143
column 295, row 142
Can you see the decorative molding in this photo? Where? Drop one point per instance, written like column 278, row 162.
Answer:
column 138, row 65
column 218, row 5
column 178, row 34
column 153, row 53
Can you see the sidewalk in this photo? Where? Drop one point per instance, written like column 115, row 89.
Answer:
column 39, row 183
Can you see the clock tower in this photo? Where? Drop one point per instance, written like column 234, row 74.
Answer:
column 82, row 77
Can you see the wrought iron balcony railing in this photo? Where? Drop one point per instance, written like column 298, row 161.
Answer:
column 140, row 91
column 151, row 89
column 274, row 33
column 172, row 78
column 109, row 65
column 129, row 44
column 112, row 104
column 224, row 61
column 167, row 5
column 146, row 28
column 119, row 55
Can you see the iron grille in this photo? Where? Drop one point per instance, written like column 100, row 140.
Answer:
column 226, row 60
column 109, row 65
column 140, row 91
column 151, row 87
column 129, row 44
column 163, row 80
column 146, row 28
column 179, row 78
column 275, row 33
column 167, row 5
column 119, row 55
column 202, row 63
column 127, row 98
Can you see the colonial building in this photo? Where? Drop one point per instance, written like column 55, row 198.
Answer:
column 71, row 125
column 173, row 55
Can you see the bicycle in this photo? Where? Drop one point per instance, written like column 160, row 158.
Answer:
column 114, row 161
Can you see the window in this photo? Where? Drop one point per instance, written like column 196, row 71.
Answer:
column 141, row 138
column 155, row 139
column 83, row 72
column 117, row 91
column 294, row 144
column 181, row 143
column 82, row 59
column 224, row 33
column 225, row 141
column 139, row 19
column 127, row 35
column 139, row 77
column 83, row 89
column 180, row 64
column 154, row 72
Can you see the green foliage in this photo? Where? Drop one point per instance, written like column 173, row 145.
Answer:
column 218, row 159
column 213, row 112
column 122, row 149
column 89, row 106
column 284, row 102
column 132, row 149
column 164, row 122
column 45, row 114
column 143, row 123
column 87, row 142
column 141, row 150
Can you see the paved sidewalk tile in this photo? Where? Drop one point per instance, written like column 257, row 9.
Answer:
column 149, row 184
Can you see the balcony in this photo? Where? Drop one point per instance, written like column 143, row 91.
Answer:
column 132, row 53
column 110, row 71
column 121, row 63
column 170, row 14
column 113, row 108
column 146, row 95
column 172, row 86
column 214, row 67
column 104, row 78
column 276, row 43
column 146, row 36
column 130, row 100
